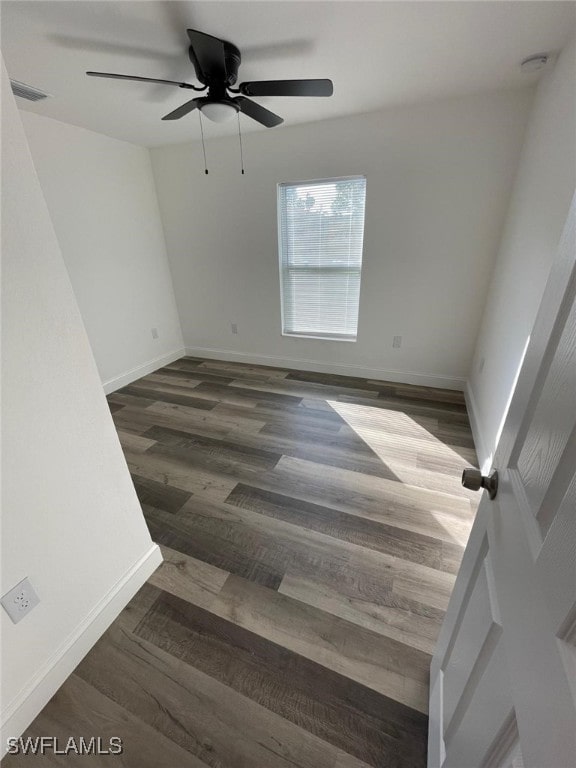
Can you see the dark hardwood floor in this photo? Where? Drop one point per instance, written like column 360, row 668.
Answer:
column 312, row 526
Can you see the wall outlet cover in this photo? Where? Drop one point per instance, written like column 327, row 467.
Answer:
column 397, row 342
column 154, row 333
column 20, row 600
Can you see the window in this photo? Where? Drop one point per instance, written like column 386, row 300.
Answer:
column 320, row 232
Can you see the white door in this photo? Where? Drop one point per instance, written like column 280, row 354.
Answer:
column 503, row 677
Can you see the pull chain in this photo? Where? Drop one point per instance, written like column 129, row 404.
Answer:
column 203, row 147
column 240, row 138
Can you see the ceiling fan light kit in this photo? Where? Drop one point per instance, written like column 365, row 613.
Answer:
column 219, row 111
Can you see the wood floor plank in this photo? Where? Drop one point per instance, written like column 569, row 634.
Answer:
column 368, row 564
column 213, row 464
column 136, row 609
column 301, row 389
column 218, row 392
column 165, row 394
column 333, row 450
column 233, row 393
column 165, row 471
column 197, row 712
column 388, row 491
column 365, row 462
column 434, row 514
column 189, row 360
column 159, row 495
column 79, row 709
column 288, row 416
column 355, row 718
column 132, row 418
column 452, row 555
column 366, row 533
column 444, row 465
column 419, row 396
column 391, row 431
column 335, row 443
column 355, row 455
column 188, row 377
column 123, row 399
column 304, row 428
column 449, row 484
column 217, row 545
column 188, row 578
column 381, row 421
column 251, row 456
column 240, row 370
column 410, row 623
column 189, row 416
column 294, row 441
column 414, row 408
column 260, row 549
column 367, row 578
column 389, row 387
column 456, row 436
column 322, row 411
column 315, row 404
column 350, row 382
column 409, row 586
column 135, row 443
column 434, row 394
column 381, row 663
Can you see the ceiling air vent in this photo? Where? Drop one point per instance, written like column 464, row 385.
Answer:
column 27, row 92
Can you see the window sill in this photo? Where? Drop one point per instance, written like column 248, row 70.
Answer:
column 317, row 338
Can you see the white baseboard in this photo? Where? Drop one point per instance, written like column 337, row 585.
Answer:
column 344, row 369
column 142, row 370
column 22, row 710
column 484, row 456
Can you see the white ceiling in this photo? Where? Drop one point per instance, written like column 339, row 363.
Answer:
column 378, row 54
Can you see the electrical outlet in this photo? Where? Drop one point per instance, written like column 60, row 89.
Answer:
column 154, row 333
column 234, row 328
column 397, row 342
column 20, row 600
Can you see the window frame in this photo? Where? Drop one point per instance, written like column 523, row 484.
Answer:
column 304, row 182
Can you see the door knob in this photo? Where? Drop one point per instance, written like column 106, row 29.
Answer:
column 473, row 479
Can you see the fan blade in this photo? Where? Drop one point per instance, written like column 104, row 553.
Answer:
column 288, row 88
column 258, row 113
column 142, row 79
column 209, row 54
column 181, row 111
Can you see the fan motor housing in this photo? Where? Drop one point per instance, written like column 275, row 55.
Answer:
column 232, row 60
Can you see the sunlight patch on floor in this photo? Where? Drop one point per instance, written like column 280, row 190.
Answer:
column 415, row 456
column 392, row 434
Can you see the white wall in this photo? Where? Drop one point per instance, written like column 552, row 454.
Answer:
column 71, row 520
column 439, row 177
column 101, row 197
column 543, row 190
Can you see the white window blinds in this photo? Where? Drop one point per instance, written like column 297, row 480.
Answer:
column 321, row 231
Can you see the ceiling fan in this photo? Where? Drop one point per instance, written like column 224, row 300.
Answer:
column 216, row 64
